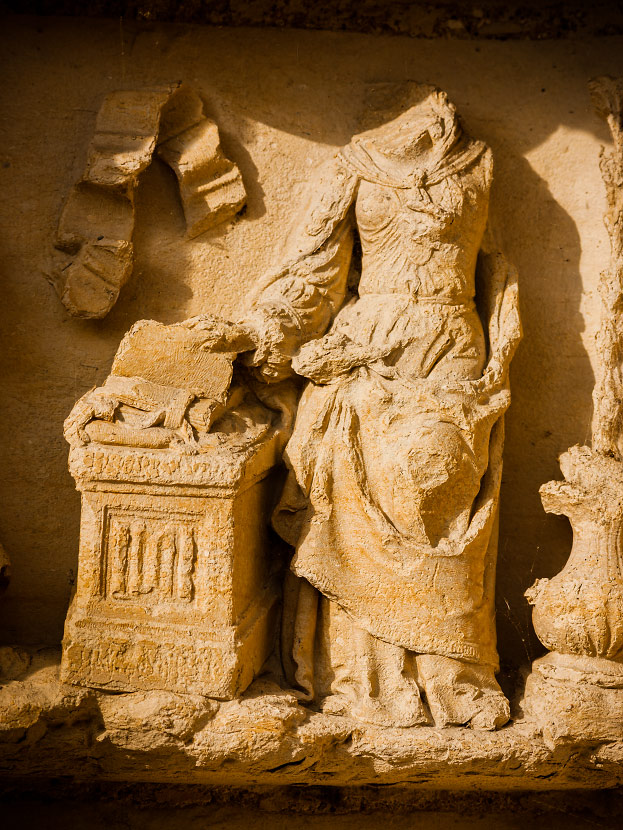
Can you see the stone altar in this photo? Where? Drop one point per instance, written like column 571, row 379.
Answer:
column 175, row 588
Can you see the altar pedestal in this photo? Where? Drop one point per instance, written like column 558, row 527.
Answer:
column 175, row 586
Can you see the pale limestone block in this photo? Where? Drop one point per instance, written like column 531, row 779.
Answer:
column 174, row 356
column 175, row 588
column 577, row 701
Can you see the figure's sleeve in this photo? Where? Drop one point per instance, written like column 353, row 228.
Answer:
column 299, row 301
column 498, row 280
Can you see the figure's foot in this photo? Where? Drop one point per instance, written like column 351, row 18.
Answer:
column 462, row 694
column 371, row 710
column 493, row 712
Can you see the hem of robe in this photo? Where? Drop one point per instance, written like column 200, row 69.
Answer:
column 427, row 640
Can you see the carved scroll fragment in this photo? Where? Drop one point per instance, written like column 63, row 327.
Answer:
column 94, row 251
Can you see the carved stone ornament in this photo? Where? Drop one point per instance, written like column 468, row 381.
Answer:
column 94, row 255
column 576, row 691
column 393, row 455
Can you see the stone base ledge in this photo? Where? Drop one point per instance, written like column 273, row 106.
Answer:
column 266, row 738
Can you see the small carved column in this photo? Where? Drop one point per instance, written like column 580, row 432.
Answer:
column 576, row 691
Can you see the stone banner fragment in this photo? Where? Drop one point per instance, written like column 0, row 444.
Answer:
column 94, row 255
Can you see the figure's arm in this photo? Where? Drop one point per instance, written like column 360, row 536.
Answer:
column 298, row 302
column 300, row 305
column 497, row 279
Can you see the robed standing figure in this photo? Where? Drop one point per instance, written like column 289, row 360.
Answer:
column 394, row 462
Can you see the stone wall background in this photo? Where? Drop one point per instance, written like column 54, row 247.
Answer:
column 284, row 99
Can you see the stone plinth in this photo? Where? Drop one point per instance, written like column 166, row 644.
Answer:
column 576, row 691
column 175, row 588
column 266, row 738
column 575, row 699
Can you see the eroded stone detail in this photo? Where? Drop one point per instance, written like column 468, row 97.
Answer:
column 576, row 691
column 94, row 238
column 265, row 738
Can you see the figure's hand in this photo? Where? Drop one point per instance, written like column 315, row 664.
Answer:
column 220, row 335
column 329, row 357
column 491, row 380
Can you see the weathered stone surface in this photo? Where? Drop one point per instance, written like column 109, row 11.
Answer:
column 581, row 704
column 97, row 222
column 267, row 738
column 547, row 199
column 280, row 133
column 29, row 706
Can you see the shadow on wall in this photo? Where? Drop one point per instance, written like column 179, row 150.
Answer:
column 547, row 412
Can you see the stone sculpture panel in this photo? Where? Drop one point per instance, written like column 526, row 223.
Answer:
column 393, row 450
column 290, row 475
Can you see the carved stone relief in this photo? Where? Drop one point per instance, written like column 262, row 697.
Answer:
column 576, row 691
column 287, row 504
column 393, row 458
column 94, row 238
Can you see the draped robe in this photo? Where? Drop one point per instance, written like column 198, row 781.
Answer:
column 394, row 465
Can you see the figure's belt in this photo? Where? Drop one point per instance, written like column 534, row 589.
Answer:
column 465, row 302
